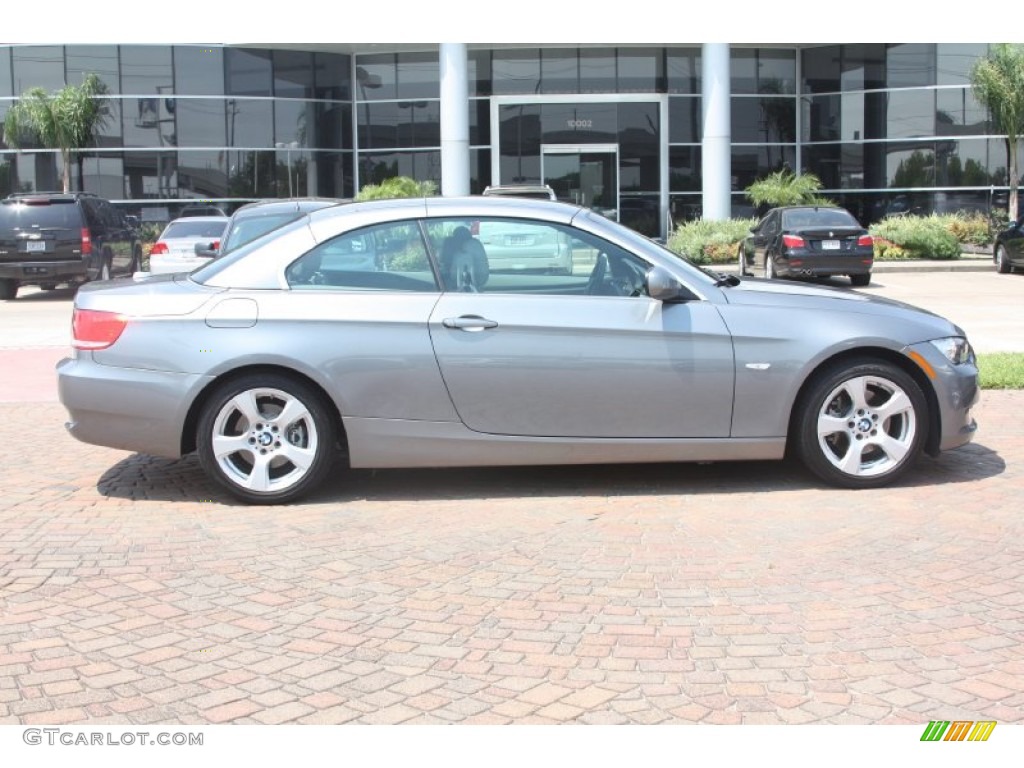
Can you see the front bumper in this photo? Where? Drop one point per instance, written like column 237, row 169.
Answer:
column 957, row 391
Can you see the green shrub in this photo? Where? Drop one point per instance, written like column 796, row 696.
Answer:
column 920, row 237
column 399, row 186
column 710, row 242
column 968, row 228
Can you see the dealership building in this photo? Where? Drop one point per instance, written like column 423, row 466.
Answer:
column 649, row 134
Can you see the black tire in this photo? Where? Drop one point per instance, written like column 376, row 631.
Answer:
column 311, row 435
column 1003, row 266
column 861, row 423
column 8, row 289
column 860, row 281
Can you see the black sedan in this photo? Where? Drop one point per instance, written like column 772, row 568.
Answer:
column 808, row 241
column 1009, row 248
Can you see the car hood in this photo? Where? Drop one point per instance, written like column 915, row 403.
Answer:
column 146, row 295
column 752, row 291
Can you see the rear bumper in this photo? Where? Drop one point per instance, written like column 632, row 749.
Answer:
column 126, row 408
column 817, row 264
column 42, row 271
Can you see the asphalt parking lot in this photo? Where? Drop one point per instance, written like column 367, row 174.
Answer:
column 133, row 591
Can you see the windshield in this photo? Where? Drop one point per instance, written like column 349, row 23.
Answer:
column 193, row 228
column 818, row 217
column 17, row 215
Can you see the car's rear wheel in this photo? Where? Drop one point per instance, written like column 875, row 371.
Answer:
column 267, row 438
column 859, row 281
column 8, row 289
column 861, row 424
column 1003, row 265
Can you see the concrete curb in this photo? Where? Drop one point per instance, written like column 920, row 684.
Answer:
column 967, row 263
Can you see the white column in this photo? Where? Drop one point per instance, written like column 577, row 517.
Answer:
column 454, row 120
column 717, row 138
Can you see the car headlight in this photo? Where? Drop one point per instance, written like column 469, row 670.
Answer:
column 956, row 349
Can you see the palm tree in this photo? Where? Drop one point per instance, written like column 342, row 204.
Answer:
column 998, row 83
column 785, row 188
column 68, row 119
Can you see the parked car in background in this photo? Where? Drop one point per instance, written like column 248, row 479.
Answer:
column 510, row 248
column 272, row 361
column 809, row 241
column 202, row 209
column 529, row 191
column 47, row 238
column 175, row 249
column 256, row 219
column 1008, row 250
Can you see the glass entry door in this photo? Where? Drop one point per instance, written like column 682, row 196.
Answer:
column 586, row 175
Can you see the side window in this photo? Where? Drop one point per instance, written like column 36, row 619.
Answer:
column 494, row 255
column 772, row 225
column 92, row 218
column 385, row 257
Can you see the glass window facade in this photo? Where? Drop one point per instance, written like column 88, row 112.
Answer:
column 885, row 126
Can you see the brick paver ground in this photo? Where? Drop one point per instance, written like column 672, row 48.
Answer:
column 132, row 591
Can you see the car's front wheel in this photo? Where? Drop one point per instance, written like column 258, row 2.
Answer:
column 1003, row 266
column 861, row 424
column 267, row 438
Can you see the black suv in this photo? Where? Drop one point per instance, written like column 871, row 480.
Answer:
column 48, row 238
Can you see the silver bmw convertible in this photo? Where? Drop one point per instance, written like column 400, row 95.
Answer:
column 380, row 334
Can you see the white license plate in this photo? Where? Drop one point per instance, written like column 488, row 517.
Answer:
column 35, row 245
column 830, row 245
column 519, row 240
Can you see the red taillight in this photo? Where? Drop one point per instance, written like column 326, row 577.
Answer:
column 215, row 245
column 794, row 241
column 158, row 248
column 865, row 240
column 86, row 242
column 92, row 329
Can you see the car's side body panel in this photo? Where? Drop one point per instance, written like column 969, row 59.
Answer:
column 396, row 443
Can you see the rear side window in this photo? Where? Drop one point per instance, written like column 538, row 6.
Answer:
column 44, row 215
column 385, row 257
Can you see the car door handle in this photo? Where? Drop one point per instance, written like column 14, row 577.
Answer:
column 470, row 323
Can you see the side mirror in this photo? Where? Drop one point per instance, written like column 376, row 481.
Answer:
column 206, row 250
column 662, row 286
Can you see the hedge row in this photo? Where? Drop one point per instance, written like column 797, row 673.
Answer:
column 899, row 237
